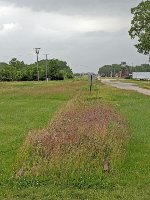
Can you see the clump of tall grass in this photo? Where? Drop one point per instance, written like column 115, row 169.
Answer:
column 82, row 145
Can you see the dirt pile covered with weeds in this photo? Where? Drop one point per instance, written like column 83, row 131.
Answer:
column 83, row 142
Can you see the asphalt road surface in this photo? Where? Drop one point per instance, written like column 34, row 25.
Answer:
column 126, row 86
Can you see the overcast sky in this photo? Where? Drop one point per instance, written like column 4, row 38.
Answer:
column 85, row 33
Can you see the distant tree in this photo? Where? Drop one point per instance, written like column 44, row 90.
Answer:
column 140, row 26
column 59, row 70
column 108, row 70
column 16, row 63
column 3, row 64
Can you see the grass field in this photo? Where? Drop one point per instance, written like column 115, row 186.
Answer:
column 23, row 107
column 28, row 107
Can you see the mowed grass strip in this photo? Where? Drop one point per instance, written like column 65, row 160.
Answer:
column 25, row 106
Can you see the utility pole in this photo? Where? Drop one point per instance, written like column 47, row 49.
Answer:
column 37, row 51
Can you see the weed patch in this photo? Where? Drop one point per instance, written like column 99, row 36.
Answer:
column 81, row 148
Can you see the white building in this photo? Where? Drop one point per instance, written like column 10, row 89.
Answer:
column 141, row 75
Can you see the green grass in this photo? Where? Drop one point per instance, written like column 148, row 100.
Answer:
column 24, row 107
column 29, row 106
column 135, row 172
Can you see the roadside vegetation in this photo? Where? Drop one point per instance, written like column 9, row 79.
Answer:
column 82, row 146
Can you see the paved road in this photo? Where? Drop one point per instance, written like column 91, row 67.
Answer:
column 125, row 86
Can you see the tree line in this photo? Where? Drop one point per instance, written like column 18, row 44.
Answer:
column 19, row 71
column 119, row 70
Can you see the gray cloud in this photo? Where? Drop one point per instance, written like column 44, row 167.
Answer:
column 79, row 7
column 85, row 33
